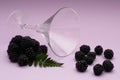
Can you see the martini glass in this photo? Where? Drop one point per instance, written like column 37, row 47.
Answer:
column 61, row 30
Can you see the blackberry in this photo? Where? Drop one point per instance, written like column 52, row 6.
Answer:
column 13, row 57
column 44, row 49
column 17, row 39
column 85, row 49
column 23, row 60
column 13, row 47
column 98, row 50
column 79, row 56
column 39, row 50
column 108, row 65
column 92, row 54
column 28, row 37
column 108, row 53
column 35, row 45
column 26, row 43
column 30, row 54
column 24, row 49
column 81, row 66
column 98, row 69
column 89, row 60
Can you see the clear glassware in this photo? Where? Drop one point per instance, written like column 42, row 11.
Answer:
column 61, row 30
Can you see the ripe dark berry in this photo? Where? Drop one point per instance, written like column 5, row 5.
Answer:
column 24, row 49
column 108, row 53
column 98, row 50
column 98, row 69
column 17, row 39
column 79, row 56
column 85, row 49
column 89, row 60
column 35, row 45
column 108, row 65
column 81, row 66
column 13, row 47
column 23, row 60
column 30, row 54
column 91, row 54
column 13, row 57
column 44, row 49
column 26, row 43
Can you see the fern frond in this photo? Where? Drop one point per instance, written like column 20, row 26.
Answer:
column 44, row 61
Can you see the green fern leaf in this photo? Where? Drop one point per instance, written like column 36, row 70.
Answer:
column 43, row 61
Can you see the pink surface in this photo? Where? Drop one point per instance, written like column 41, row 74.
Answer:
column 99, row 24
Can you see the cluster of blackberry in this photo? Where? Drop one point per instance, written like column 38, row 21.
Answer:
column 84, row 58
column 23, row 50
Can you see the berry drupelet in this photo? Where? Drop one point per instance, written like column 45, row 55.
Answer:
column 98, row 50
column 108, row 54
column 89, row 60
column 92, row 54
column 17, row 39
column 85, row 49
column 108, row 65
column 79, row 56
column 98, row 69
column 30, row 54
column 12, row 47
column 35, row 45
column 25, row 43
column 81, row 66
column 13, row 57
column 44, row 49
column 23, row 60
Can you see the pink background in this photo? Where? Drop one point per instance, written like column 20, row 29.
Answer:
column 99, row 24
